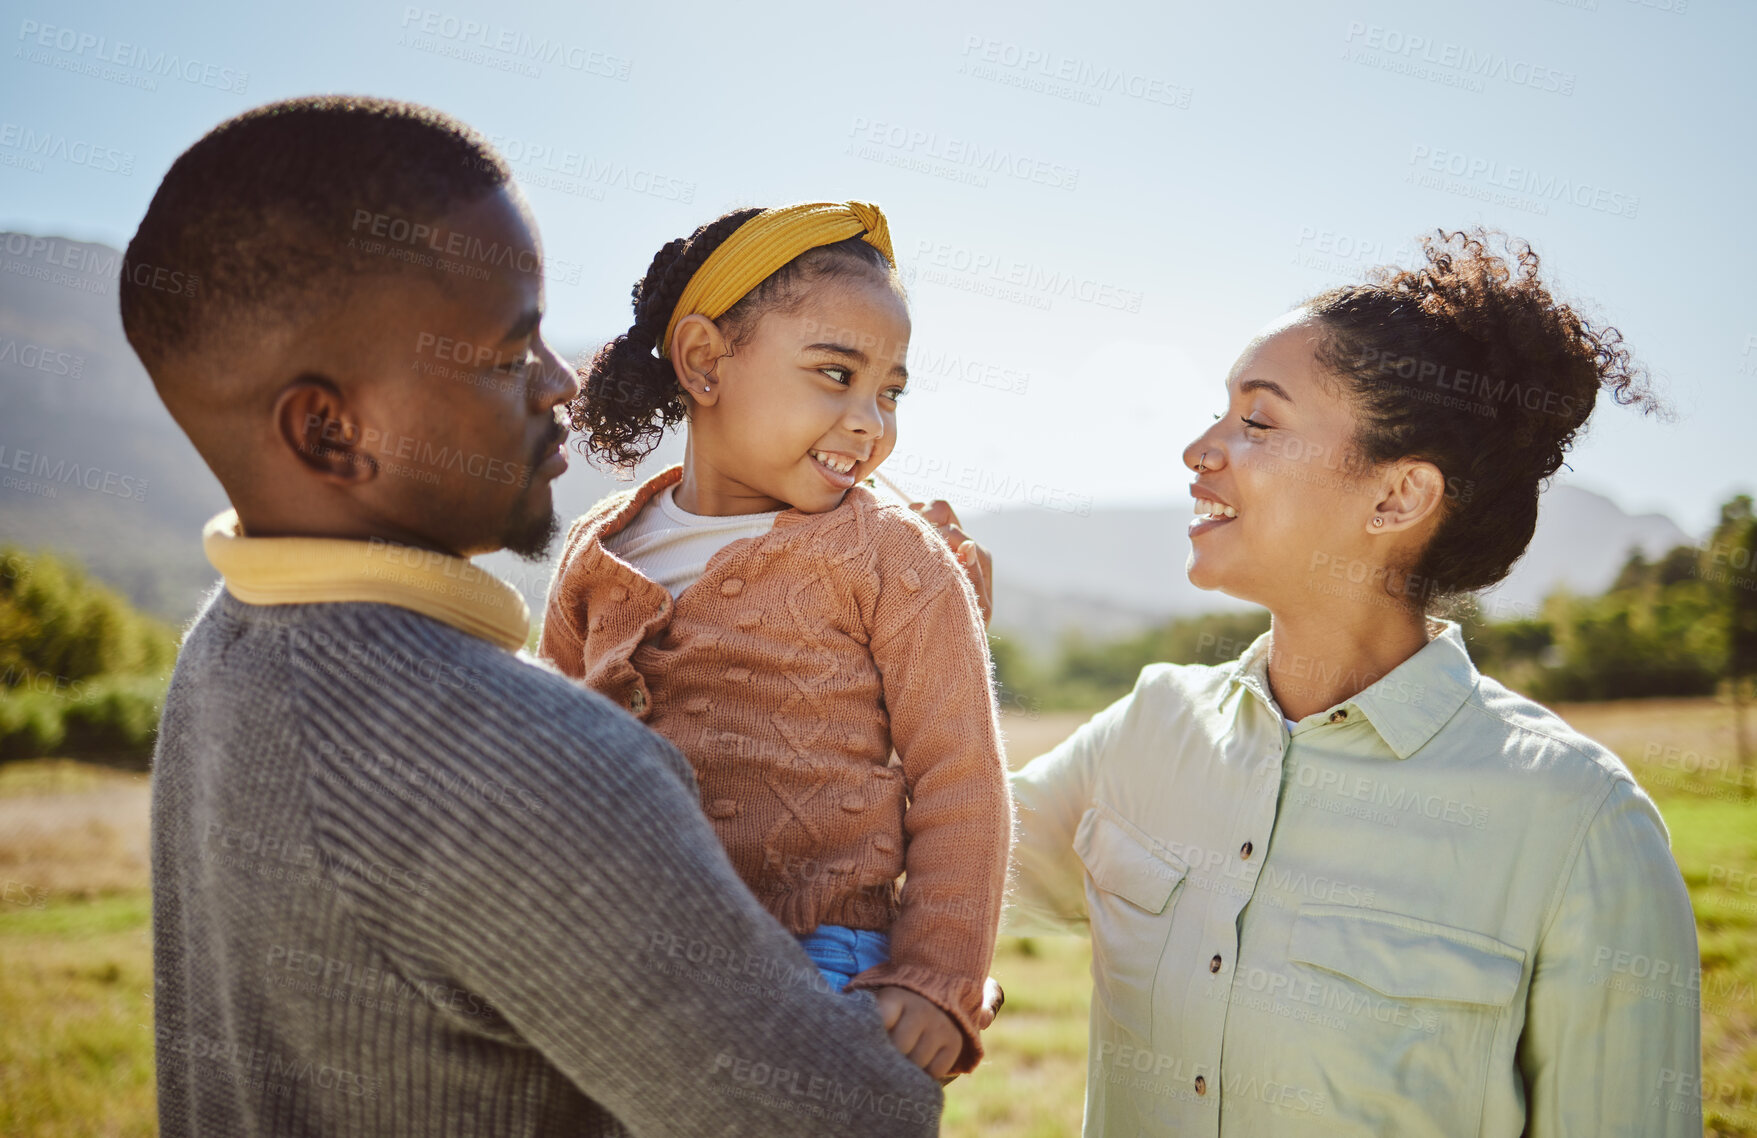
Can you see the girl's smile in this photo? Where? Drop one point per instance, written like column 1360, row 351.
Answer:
column 836, row 468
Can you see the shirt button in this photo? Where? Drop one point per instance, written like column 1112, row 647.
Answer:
column 1339, row 716
column 1245, row 850
column 637, row 702
column 1214, row 965
column 1201, row 1085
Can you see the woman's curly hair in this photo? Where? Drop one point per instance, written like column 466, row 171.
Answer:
column 629, row 396
column 1469, row 363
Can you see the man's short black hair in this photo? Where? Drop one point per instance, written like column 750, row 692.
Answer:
column 260, row 222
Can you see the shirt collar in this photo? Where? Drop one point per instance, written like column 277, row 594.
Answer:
column 613, row 521
column 319, row 570
column 1407, row 706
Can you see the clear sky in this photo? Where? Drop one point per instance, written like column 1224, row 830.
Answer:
column 1096, row 205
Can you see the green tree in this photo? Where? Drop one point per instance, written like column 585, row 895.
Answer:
column 1657, row 635
column 1729, row 566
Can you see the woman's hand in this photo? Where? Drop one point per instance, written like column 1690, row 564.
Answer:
column 977, row 562
column 992, row 999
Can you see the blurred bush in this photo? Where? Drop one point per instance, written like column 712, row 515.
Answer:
column 81, row 672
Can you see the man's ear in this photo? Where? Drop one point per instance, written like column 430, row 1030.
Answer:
column 314, row 421
column 697, row 346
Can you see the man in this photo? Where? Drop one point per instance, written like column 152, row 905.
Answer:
column 404, row 880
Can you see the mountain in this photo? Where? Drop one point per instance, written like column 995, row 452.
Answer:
column 91, row 464
column 1581, row 542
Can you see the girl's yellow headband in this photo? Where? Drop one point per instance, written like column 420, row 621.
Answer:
column 759, row 247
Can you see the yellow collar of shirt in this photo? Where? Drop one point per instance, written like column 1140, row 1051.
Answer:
column 1407, row 706
column 321, row 570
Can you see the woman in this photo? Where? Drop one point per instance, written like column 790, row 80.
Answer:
column 1345, row 883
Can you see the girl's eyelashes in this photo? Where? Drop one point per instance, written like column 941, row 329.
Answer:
column 844, row 377
column 516, row 366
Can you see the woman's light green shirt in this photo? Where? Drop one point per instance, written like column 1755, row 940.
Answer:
column 1434, row 909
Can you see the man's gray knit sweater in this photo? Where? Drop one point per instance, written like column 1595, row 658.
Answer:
column 406, row 883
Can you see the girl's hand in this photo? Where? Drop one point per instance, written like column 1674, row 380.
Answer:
column 920, row 1030
column 977, row 562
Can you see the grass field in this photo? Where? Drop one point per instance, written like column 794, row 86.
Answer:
column 75, row 976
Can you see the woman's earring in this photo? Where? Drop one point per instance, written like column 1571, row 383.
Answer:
column 1378, row 521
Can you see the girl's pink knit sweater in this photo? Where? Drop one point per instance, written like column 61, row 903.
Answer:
column 787, row 674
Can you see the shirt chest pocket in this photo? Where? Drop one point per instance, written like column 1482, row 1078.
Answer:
column 1130, row 888
column 1421, row 1004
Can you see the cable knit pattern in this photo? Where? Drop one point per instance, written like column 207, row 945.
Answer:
column 787, row 673
column 407, row 883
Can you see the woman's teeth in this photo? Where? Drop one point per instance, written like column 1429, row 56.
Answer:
column 835, row 462
column 1205, row 508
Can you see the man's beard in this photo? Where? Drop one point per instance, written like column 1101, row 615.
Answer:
column 530, row 537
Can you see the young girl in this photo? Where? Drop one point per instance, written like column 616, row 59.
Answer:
column 786, row 628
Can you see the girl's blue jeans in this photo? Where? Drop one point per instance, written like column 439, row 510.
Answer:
column 842, row 953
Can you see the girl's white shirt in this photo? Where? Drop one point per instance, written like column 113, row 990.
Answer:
column 673, row 546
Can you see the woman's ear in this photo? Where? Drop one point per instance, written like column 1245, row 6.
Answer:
column 1412, row 500
column 314, row 421
column 697, row 347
